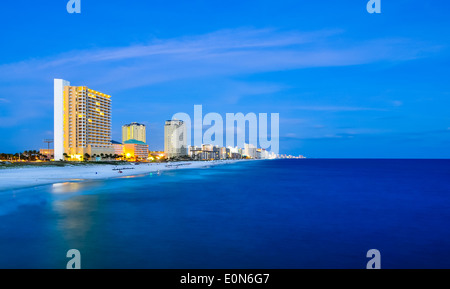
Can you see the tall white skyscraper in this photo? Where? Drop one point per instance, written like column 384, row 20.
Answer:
column 175, row 138
column 58, row 126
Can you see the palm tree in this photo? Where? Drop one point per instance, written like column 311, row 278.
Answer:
column 86, row 157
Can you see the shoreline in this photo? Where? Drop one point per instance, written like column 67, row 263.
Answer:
column 20, row 178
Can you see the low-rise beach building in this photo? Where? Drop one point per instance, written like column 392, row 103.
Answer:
column 135, row 150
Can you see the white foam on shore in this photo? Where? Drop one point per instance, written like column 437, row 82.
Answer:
column 15, row 178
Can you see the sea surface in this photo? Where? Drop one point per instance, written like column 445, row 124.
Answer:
column 311, row 213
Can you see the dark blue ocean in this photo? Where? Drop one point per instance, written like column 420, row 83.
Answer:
column 257, row 214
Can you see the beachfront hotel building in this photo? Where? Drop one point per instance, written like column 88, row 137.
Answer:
column 118, row 147
column 175, row 138
column 250, row 151
column 134, row 131
column 82, row 122
column 135, row 150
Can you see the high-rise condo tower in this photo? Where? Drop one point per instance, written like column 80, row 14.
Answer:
column 82, row 122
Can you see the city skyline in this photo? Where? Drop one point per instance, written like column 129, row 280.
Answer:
column 82, row 132
column 345, row 83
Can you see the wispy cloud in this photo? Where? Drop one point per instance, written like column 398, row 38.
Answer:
column 225, row 55
column 397, row 103
column 234, row 91
column 337, row 108
column 221, row 53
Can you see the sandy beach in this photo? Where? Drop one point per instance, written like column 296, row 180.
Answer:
column 14, row 178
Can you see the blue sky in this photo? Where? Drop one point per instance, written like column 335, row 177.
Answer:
column 345, row 83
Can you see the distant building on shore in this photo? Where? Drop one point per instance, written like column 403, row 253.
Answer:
column 118, row 147
column 82, row 122
column 211, row 152
column 195, row 152
column 234, row 152
column 156, row 155
column 47, row 152
column 175, row 138
column 134, row 131
column 250, row 151
column 135, row 149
